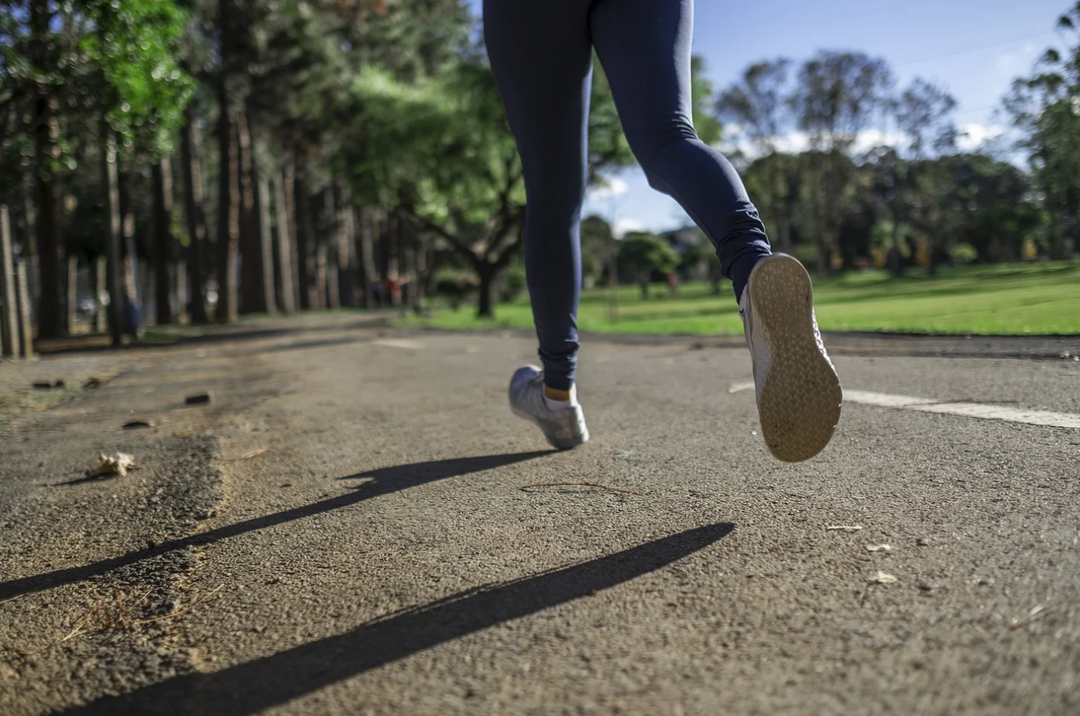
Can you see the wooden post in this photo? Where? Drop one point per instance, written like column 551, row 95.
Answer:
column 101, row 293
column 26, row 329
column 9, row 317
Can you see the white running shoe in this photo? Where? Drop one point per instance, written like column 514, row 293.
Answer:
column 798, row 392
column 564, row 427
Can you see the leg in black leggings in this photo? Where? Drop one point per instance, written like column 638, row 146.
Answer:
column 542, row 59
column 540, row 51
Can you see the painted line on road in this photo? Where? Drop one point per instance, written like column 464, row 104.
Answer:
column 398, row 343
column 967, row 410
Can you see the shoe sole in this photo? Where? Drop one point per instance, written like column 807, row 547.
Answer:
column 554, row 442
column 800, row 400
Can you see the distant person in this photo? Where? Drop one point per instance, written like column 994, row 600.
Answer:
column 541, row 54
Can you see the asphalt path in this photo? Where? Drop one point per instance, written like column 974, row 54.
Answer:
column 356, row 524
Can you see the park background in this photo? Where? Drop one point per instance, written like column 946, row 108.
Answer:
column 168, row 165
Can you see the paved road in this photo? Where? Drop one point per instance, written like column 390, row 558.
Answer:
column 357, row 525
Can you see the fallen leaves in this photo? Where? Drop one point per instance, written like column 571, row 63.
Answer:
column 107, row 465
column 884, row 578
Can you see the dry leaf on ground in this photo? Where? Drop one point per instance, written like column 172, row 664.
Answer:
column 117, row 464
column 884, row 578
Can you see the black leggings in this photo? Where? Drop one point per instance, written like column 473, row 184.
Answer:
column 541, row 53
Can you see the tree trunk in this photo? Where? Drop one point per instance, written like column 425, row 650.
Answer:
column 111, row 182
column 343, row 249
column 823, row 263
column 253, row 284
column 163, row 240
column 643, row 282
column 180, row 285
column 785, row 236
column 101, row 292
column 319, row 300
column 302, row 208
column 486, row 299
column 387, row 261
column 196, row 219
column 365, row 255
column 896, row 263
column 130, row 282
column 228, row 216
column 72, row 285
column 9, row 319
column 286, row 289
column 422, row 274
column 324, row 240
column 266, row 244
column 51, row 308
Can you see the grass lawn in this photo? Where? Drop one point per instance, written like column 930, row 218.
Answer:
column 1013, row 299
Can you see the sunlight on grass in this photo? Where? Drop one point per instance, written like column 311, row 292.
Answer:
column 1008, row 299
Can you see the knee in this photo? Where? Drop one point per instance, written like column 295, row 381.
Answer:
column 652, row 146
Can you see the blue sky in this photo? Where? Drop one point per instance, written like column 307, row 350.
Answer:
column 973, row 48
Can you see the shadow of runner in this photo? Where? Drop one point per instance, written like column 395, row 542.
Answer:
column 260, row 684
column 383, row 481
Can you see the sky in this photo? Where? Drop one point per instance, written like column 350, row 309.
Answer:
column 972, row 48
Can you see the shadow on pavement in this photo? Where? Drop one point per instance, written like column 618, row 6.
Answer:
column 260, row 684
column 382, row 481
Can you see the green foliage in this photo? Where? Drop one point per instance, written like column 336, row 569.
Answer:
column 132, row 51
column 513, row 283
column 645, row 253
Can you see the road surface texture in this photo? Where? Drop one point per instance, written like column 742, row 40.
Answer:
column 357, row 525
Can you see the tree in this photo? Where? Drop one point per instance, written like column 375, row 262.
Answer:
column 643, row 253
column 442, row 151
column 598, row 247
column 1045, row 107
column 923, row 113
column 758, row 104
column 838, row 95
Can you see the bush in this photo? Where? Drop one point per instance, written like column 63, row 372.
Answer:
column 964, row 254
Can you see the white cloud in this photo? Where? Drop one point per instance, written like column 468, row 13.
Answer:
column 624, row 226
column 614, row 187
column 973, row 136
column 793, row 142
column 870, row 138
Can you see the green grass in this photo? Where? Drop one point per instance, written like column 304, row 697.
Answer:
column 1008, row 299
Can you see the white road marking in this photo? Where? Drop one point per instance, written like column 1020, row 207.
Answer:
column 740, row 386
column 968, row 410
column 398, row 343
